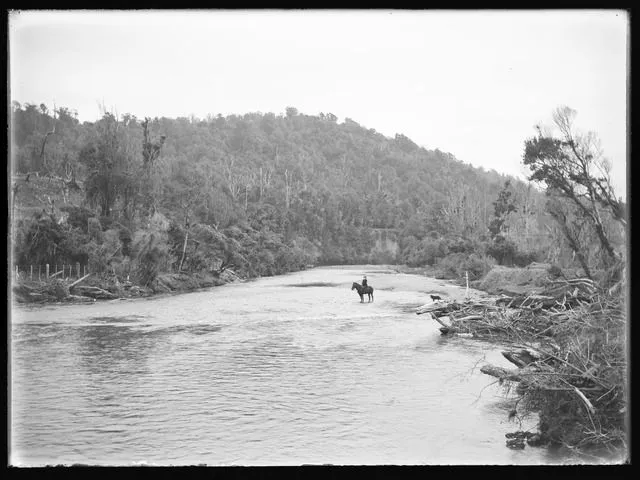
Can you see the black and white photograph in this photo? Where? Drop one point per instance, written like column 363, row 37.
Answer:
column 291, row 237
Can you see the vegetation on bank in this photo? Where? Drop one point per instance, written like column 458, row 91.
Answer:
column 567, row 337
column 259, row 193
column 567, row 328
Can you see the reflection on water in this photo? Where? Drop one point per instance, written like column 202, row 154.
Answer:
column 105, row 349
column 255, row 374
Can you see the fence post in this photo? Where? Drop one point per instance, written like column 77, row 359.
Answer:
column 84, row 270
column 17, row 272
column 47, row 271
column 39, row 270
column 56, row 268
column 466, row 274
column 31, row 272
column 78, row 268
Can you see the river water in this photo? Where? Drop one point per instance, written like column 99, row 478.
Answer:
column 286, row 370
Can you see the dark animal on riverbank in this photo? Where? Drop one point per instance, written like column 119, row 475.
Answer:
column 435, row 297
column 362, row 291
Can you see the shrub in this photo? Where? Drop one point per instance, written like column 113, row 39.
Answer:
column 477, row 266
column 151, row 255
column 506, row 253
column 39, row 240
column 451, row 265
column 78, row 217
column 94, row 229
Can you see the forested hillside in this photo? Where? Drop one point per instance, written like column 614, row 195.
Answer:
column 258, row 193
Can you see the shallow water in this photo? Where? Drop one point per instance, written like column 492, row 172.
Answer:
column 285, row 370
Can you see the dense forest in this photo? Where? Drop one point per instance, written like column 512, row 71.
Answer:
column 264, row 194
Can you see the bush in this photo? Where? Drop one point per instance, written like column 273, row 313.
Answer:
column 506, row 253
column 461, row 245
column 452, row 265
column 94, row 229
column 424, row 252
column 477, row 266
column 78, row 217
column 151, row 255
column 38, row 240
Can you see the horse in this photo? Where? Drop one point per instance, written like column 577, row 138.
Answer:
column 362, row 290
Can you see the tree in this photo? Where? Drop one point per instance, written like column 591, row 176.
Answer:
column 574, row 165
column 502, row 207
column 109, row 166
column 291, row 111
column 150, row 148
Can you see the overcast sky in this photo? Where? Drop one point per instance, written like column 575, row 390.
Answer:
column 470, row 83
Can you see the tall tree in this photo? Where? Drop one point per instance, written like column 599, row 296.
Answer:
column 502, row 207
column 108, row 161
column 573, row 164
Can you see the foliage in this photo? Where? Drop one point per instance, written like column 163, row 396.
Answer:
column 503, row 206
column 78, row 217
column 111, row 171
column 574, row 166
column 266, row 193
column 152, row 256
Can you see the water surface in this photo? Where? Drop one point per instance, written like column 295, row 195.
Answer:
column 285, row 370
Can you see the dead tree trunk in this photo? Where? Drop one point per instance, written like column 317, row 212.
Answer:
column 184, row 246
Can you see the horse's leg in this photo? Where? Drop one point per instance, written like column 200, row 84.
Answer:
column 361, row 298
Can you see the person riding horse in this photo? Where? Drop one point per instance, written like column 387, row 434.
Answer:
column 363, row 289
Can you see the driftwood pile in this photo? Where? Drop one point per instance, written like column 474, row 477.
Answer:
column 509, row 316
column 569, row 347
column 60, row 290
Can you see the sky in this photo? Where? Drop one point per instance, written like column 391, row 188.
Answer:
column 472, row 83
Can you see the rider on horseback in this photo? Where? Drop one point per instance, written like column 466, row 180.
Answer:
column 363, row 289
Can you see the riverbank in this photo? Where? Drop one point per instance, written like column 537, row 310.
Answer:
column 103, row 287
column 567, row 338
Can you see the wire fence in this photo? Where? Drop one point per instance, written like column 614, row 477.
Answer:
column 70, row 271
column 49, row 272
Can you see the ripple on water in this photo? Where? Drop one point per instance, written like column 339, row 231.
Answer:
column 276, row 379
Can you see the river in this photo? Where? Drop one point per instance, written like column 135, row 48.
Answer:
column 285, row 370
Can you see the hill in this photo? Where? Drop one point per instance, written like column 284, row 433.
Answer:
column 261, row 193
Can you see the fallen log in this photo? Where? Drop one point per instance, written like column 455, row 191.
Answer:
column 520, row 358
column 438, row 307
column 433, row 317
column 80, row 299
column 95, row 292
column 504, row 373
column 467, row 318
column 79, row 280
